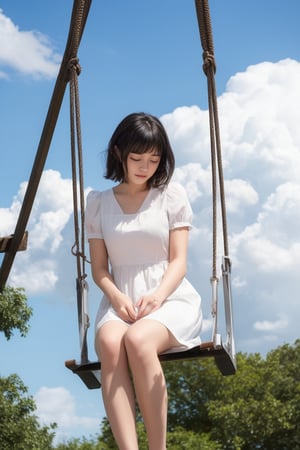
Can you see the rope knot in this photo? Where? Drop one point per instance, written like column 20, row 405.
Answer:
column 74, row 65
column 208, row 62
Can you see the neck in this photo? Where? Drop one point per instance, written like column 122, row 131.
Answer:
column 131, row 188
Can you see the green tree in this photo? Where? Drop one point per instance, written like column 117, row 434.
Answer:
column 14, row 311
column 19, row 428
column 246, row 413
column 178, row 439
column 259, row 407
column 192, row 385
column 106, row 440
column 81, row 444
column 181, row 439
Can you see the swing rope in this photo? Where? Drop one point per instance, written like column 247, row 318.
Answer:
column 209, row 68
column 78, row 248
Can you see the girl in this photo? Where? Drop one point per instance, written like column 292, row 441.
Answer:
column 138, row 238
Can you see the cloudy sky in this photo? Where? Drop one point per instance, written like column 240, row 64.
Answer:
column 146, row 56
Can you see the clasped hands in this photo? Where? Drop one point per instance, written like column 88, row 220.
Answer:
column 131, row 312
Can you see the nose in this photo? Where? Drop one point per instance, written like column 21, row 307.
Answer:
column 144, row 165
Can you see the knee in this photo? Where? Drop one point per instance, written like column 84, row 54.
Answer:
column 136, row 344
column 108, row 346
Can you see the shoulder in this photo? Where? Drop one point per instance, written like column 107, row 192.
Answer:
column 178, row 206
column 94, row 214
column 93, row 196
column 175, row 190
column 96, row 196
column 94, row 200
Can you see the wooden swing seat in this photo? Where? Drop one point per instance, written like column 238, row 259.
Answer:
column 89, row 372
column 5, row 243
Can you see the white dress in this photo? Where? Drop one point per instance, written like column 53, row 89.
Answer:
column 138, row 248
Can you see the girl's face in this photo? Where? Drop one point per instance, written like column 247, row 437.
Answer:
column 141, row 167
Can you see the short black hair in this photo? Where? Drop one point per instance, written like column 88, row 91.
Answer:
column 140, row 133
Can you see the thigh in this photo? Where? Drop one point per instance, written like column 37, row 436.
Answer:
column 109, row 339
column 149, row 334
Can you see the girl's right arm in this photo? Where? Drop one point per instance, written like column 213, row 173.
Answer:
column 100, row 271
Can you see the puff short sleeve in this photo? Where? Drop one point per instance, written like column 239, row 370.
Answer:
column 178, row 207
column 93, row 215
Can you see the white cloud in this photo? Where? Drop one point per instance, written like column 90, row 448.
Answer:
column 189, row 134
column 267, row 325
column 260, row 122
column 41, row 59
column 260, row 137
column 58, row 405
column 39, row 267
column 272, row 243
column 195, row 179
column 239, row 194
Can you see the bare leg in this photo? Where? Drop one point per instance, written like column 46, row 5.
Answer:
column 117, row 389
column 143, row 341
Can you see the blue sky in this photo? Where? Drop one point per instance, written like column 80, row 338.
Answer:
column 147, row 56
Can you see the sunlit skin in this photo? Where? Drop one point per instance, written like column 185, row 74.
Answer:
column 141, row 167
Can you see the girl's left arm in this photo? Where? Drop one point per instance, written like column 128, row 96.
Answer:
column 174, row 274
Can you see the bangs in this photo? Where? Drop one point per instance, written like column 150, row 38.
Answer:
column 146, row 147
column 144, row 140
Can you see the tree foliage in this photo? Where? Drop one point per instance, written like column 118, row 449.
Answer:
column 259, row 407
column 14, row 311
column 19, row 428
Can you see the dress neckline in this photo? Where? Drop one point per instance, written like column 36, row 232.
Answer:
column 138, row 210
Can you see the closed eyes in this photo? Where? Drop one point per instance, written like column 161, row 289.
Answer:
column 153, row 161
